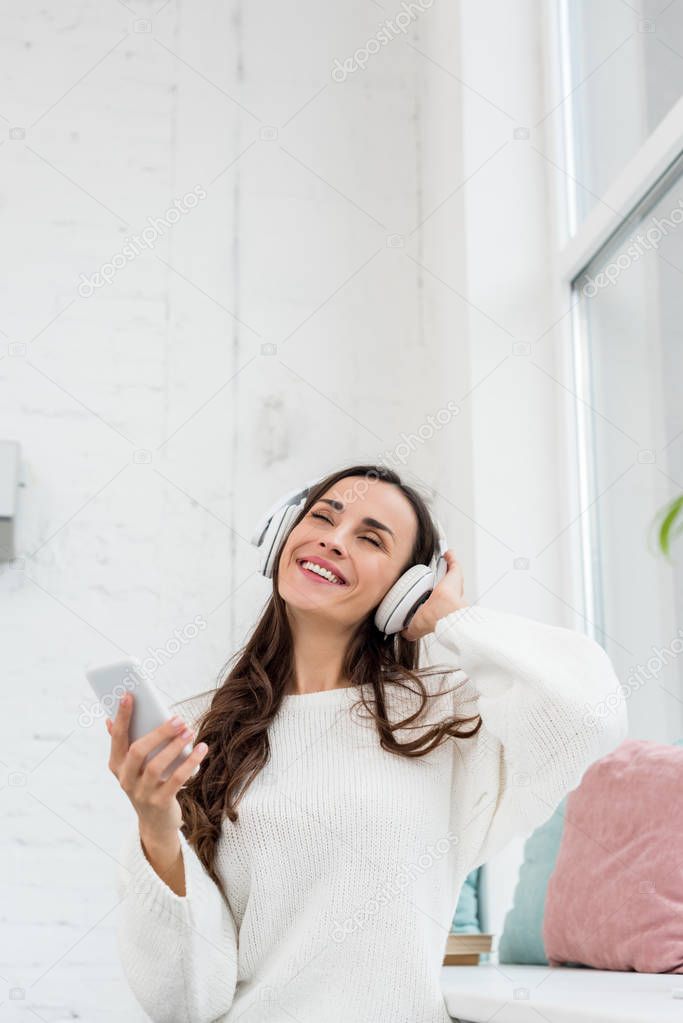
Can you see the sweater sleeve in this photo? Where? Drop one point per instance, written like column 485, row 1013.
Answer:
column 550, row 704
column 178, row 953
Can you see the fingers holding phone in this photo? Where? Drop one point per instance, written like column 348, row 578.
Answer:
column 151, row 753
column 142, row 767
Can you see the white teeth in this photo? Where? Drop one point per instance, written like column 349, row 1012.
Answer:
column 319, row 570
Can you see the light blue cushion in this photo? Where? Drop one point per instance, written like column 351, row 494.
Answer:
column 466, row 919
column 522, row 937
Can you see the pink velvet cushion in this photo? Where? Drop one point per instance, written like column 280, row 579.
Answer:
column 615, row 896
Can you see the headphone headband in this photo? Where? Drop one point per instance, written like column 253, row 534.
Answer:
column 293, row 497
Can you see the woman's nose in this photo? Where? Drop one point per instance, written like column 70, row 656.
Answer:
column 335, row 545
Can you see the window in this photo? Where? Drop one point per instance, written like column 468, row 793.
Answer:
column 624, row 72
column 621, row 282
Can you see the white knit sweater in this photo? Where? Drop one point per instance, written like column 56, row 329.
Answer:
column 345, row 866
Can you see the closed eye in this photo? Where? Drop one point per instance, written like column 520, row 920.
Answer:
column 317, row 515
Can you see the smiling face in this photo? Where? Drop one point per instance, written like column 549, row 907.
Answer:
column 363, row 532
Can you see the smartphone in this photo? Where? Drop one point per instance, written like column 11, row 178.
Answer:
column 110, row 682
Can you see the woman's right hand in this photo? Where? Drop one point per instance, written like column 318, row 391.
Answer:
column 155, row 801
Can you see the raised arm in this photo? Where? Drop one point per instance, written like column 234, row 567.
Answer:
column 541, row 692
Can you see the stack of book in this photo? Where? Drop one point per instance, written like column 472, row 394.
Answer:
column 465, row 949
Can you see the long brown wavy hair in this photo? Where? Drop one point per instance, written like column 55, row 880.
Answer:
column 235, row 725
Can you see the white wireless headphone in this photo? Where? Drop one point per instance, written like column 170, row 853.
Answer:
column 403, row 599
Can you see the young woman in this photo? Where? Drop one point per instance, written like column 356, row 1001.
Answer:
column 306, row 865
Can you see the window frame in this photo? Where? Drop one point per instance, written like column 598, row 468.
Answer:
column 575, row 246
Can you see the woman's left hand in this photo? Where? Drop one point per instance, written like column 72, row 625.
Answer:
column 447, row 596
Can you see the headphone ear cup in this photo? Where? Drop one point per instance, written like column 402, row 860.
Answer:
column 440, row 570
column 407, row 593
column 275, row 535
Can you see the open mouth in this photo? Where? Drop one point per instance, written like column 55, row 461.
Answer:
column 318, row 574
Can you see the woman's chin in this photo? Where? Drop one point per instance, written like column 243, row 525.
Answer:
column 297, row 598
column 308, row 598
